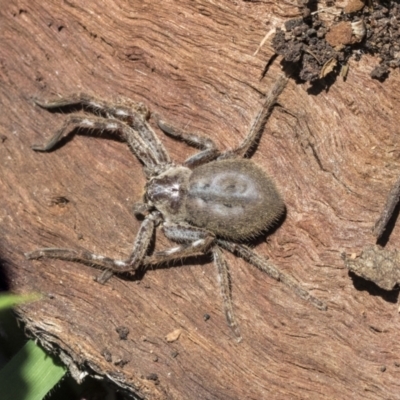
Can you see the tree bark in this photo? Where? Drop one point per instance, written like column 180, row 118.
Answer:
column 334, row 157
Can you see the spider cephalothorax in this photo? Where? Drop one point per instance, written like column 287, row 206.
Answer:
column 213, row 201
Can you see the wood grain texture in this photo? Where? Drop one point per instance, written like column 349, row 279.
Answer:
column 333, row 155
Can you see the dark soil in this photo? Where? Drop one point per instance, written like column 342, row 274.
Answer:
column 320, row 47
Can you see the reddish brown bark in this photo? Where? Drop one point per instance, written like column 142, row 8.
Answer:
column 334, row 157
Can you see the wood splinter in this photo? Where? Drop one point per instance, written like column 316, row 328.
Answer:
column 387, row 213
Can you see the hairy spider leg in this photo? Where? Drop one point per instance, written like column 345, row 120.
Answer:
column 196, row 241
column 134, row 116
column 131, row 264
column 121, row 130
column 264, row 265
column 209, row 150
column 225, row 285
column 258, row 124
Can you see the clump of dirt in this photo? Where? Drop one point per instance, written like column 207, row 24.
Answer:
column 320, row 48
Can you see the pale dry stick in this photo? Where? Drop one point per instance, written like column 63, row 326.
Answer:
column 264, row 40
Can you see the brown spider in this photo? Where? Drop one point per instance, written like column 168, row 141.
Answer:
column 213, row 200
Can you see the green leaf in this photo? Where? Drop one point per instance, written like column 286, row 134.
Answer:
column 11, row 300
column 30, row 374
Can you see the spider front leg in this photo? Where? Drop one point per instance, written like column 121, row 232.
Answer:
column 264, row 265
column 131, row 264
column 139, row 147
column 132, row 114
column 258, row 125
column 209, row 150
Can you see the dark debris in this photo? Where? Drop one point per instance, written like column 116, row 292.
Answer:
column 123, row 332
column 319, row 49
column 152, row 377
column 107, row 355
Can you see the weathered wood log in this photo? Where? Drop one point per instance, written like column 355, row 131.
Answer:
column 334, row 157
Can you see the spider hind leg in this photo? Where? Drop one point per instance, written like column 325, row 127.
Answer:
column 266, row 266
column 224, row 280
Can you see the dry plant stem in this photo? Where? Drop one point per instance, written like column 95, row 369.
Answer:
column 387, row 213
column 264, row 265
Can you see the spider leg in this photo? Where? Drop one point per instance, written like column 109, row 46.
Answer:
column 224, row 280
column 133, row 114
column 131, row 264
column 257, row 126
column 208, row 148
column 195, row 242
column 139, row 147
column 264, row 265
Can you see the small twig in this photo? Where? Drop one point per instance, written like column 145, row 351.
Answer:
column 306, row 50
column 263, row 41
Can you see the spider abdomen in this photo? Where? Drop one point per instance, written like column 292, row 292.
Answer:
column 234, row 199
